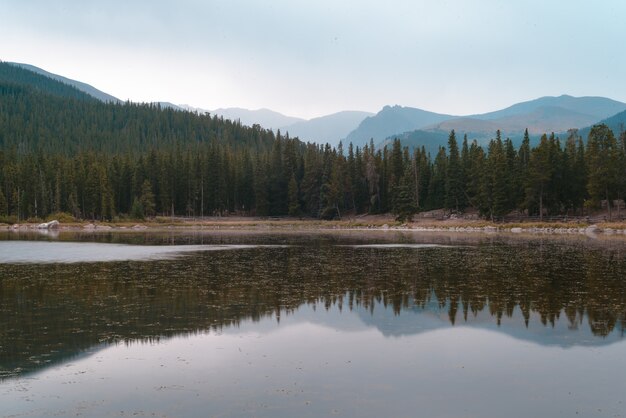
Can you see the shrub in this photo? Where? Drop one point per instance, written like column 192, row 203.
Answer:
column 62, row 217
column 8, row 219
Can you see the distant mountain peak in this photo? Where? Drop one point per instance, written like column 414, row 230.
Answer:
column 329, row 128
column 393, row 120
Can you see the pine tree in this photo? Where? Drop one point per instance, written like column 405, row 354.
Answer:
column 4, row 207
column 437, row 185
column 262, row 201
column 397, row 166
column 496, row 179
column 311, row 180
column 294, row 200
column 523, row 161
column 621, row 172
column 455, row 198
column 540, row 172
column 372, row 178
column 602, row 165
column 403, row 200
column 136, row 210
column 146, row 200
column 421, row 176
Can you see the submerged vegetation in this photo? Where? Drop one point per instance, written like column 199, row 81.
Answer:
column 62, row 151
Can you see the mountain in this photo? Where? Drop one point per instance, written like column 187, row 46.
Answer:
column 598, row 107
column 86, row 88
column 41, row 113
column 465, row 125
column 539, row 120
column 168, row 105
column 539, row 116
column 324, row 129
column 430, row 140
column 545, row 119
column 617, row 123
column 268, row 119
column 330, row 128
column 327, row 129
column 20, row 79
column 193, row 109
column 393, row 120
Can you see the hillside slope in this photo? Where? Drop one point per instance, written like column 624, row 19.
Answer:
column 84, row 87
column 393, row 120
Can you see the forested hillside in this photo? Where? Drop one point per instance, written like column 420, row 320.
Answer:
column 12, row 74
column 66, row 153
column 84, row 87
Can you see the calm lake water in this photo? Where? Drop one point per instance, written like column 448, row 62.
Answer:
column 348, row 324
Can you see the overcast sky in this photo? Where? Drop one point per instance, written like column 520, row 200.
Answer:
column 309, row 58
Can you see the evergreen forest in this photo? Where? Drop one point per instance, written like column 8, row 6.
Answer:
column 61, row 151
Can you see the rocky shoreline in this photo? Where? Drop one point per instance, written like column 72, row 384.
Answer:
column 305, row 225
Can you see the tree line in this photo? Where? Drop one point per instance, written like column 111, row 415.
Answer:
column 104, row 161
column 291, row 178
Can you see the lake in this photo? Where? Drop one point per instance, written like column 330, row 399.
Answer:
column 335, row 323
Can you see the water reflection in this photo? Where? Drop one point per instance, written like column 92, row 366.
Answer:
column 90, row 252
column 551, row 293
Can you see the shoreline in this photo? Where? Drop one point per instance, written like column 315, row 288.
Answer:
column 363, row 223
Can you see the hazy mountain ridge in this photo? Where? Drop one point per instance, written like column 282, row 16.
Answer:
column 84, row 87
column 169, row 105
column 267, row 118
column 599, row 107
column 330, row 128
column 617, row 123
column 544, row 119
column 327, row 129
column 393, row 120
column 421, row 127
column 539, row 116
column 15, row 77
column 415, row 127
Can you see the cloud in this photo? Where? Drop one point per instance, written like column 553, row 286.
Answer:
column 299, row 57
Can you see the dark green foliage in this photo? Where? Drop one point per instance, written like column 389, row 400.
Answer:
column 294, row 200
column 13, row 75
column 455, row 184
column 403, row 203
column 4, row 209
column 496, row 179
column 540, row 172
column 147, row 199
column 403, row 199
column 437, row 185
column 60, row 152
column 603, row 165
column 136, row 210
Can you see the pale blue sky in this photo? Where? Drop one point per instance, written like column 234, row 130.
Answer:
column 308, row 58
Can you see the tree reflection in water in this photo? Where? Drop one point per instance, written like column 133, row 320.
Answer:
column 54, row 311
